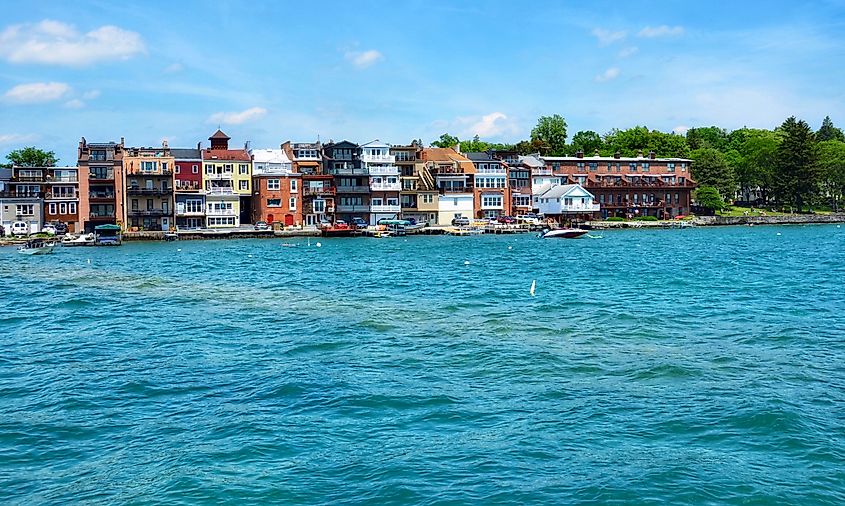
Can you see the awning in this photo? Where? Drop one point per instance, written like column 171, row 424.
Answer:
column 107, row 227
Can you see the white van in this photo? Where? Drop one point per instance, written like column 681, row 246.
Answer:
column 20, row 228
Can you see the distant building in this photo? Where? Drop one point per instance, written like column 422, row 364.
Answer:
column 277, row 189
column 417, row 196
column 380, row 165
column 453, row 177
column 491, row 193
column 189, row 193
column 101, row 195
column 567, row 202
column 227, row 181
column 148, row 186
column 351, row 180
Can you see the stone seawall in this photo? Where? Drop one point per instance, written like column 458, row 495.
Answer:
column 195, row 235
column 789, row 219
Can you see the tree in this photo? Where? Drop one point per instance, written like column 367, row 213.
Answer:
column 586, row 141
column 707, row 137
column 708, row 197
column 831, row 171
column 630, row 142
column 754, row 168
column 710, row 168
column 828, row 132
column 796, row 171
column 32, row 157
column 551, row 130
column 446, row 141
column 531, row 147
column 668, row 145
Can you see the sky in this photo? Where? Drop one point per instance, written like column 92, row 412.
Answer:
column 271, row 71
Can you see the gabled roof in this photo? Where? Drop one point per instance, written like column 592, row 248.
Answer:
column 226, row 154
column 478, row 156
column 219, row 135
column 565, row 190
column 269, row 156
column 342, row 144
column 375, row 144
column 185, row 153
column 448, row 155
column 531, row 161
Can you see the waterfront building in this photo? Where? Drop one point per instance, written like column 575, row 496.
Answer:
column 519, row 181
column 277, row 189
column 351, row 180
column 148, row 186
column 491, row 194
column 29, row 210
column 452, row 174
column 316, row 195
column 189, row 193
column 100, row 174
column 227, row 182
column 629, row 186
column 380, row 165
column 56, row 189
column 418, row 195
column 567, row 202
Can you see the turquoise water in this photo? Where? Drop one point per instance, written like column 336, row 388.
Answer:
column 702, row 366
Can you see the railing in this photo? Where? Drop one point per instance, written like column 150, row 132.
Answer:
column 580, row 207
column 100, row 196
column 182, row 212
column 64, row 179
column 21, row 194
column 386, row 208
column 98, row 158
column 393, row 187
column 29, row 179
column 378, row 158
column 328, row 190
column 62, row 195
column 221, row 191
column 149, row 212
column 541, row 172
column 353, row 189
column 108, row 176
column 356, row 208
column 100, row 216
column 384, row 170
column 148, row 191
column 499, row 172
column 456, row 189
column 220, row 175
column 349, row 171
column 220, row 212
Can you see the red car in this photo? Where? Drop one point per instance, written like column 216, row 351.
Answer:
column 507, row 219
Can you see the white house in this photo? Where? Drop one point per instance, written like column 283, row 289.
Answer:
column 454, row 205
column 380, row 165
column 270, row 162
column 566, row 199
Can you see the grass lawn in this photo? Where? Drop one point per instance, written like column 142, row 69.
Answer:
column 746, row 211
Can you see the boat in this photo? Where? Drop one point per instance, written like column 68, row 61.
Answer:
column 79, row 240
column 36, row 247
column 562, row 233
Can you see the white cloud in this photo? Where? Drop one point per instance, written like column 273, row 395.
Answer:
column 91, row 94
column 680, row 129
column 36, row 92
column 236, row 118
column 16, row 138
column 607, row 37
column 661, row 31
column 628, row 51
column 607, row 75
column 55, row 43
column 363, row 59
column 173, row 68
column 75, row 104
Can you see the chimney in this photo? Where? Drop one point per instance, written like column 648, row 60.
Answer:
column 597, row 153
column 651, row 155
column 579, row 154
column 121, row 142
column 164, row 143
column 199, row 146
column 640, row 153
column 617, row 155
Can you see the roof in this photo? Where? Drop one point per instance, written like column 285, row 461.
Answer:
column 375, row 144
column 480, row 156
column 185, row 153
column 531, row 161
column 448, row 155
column 612, row 159
column 107, row 227
column 559, row 190
column 226, row 154
column 219, row 135
column 269, row 156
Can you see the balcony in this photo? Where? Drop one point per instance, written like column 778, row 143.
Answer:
column 63, row 179
column 349, row 171
column 353, row 189
column 456, row 189
column 386, row 187
column 221, row 212
column 99, row 196
column 580, row 208
column 101, row 216
column 384, row 170
column 62, row 195
column 385, row 208
column 311, row 192
column 378, row 158
column 501, row 171
column 101, row 176
column 135, row 190
column 356, row 208
column 150, row 173
column 28, row 179
column 183, row 211
column 219, row 175
column 541, row 172
column 222, row 191
column 149, row 212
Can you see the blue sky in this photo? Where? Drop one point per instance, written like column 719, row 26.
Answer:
column 271, row 71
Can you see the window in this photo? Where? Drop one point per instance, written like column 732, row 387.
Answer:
column 274, row 202
column 195, row 169
column 150, row 205
column 243, row 185
column 376, row 202
column 24, row 209
column 147, row 166
column 293, row 185
column 428, row 198
column 491, row 201
column 209, row 169
column 164, row 166
column 52, row 208
column 670, row 167
column 292, row 204
column 319, row 206
column 580, row 166
column 243, row 169
column 594, row 166
column 63, row 208
column 178, row 169
column 633, row 166
column 645, row 166
column 272, row 184
column 71, row 208
column 227, row 168
column 193, row 206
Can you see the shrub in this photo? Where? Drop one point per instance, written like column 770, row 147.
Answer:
column 615, row 218
column 646, row 218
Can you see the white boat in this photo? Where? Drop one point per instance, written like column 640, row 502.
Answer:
column 79, row 240
column 36, row 247
column 563, row 233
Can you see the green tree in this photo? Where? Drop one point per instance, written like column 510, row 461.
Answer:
column 710, row 168
column 796, row 171
column 531, row 147
column 587, row 141
column 755, row 166
column 707, row 137
column 831, row 171
column 629, row 142
column 828, row 132
column 708, row 197
column 668, row 145
column 32, row 157
column 446, row 141
column 551, row 131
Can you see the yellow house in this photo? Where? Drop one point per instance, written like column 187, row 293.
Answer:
column 227, row 181
column 147, row 188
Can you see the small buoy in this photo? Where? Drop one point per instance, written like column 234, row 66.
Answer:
column 319, row 245
column 533, row 286
column 837, row 226
column 466, row 262
column 778, row 233
column 89, row 261
column 250, row 256
column 510, row 247
column 178, row 249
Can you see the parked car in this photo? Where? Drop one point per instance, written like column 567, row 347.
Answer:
column 61, row 228
column 359, row 222
column 261, row 225
column 460, row 221
column 49, row 229
column 20, row 228
column 506, row 219
column 527, row 218
column 341, row 224
column 325, row 222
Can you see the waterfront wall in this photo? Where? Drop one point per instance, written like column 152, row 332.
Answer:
column 790, row 219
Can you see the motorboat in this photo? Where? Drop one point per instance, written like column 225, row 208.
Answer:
column 562, row 233
column 36, row 247
column 79, row 240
